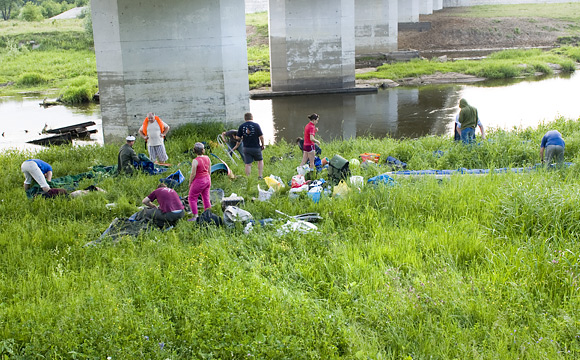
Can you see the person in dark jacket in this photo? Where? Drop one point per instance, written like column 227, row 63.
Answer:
column 468, row 119
column 300, row 143
column 229, row 137
column 126, row 157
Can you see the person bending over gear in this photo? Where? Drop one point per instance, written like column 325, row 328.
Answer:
column 37, row 170
column 169, row 210
column 229, row 137
column 553, row 144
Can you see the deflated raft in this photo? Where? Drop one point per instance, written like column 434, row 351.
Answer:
column 447, row 173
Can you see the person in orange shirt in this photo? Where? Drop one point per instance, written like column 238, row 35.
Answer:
column 154, row 131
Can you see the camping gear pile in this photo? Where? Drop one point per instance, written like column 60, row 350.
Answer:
column 337, row 183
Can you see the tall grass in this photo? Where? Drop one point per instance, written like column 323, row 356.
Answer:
column 466, row 267
column 499, row 65
column 79, row 90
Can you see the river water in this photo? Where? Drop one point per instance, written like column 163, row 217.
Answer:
column 402, row 112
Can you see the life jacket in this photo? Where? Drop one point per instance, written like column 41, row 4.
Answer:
column 146, row 123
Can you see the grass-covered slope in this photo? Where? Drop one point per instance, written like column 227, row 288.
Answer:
column 467, row 267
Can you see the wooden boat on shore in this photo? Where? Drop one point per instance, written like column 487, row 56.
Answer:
column 65, row 135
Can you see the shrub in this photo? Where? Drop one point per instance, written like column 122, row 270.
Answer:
column 572, row 52
column 31, row 79
column 79, row 90
column 87, row 21
column 50, row 8
column 259, row 79
column 568, row 65
column 542, row 67
column 31, row 12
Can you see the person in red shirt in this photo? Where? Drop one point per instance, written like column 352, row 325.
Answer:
column 309, row 147
column 169, row 210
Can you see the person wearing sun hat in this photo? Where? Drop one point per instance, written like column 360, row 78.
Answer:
column 127, row 156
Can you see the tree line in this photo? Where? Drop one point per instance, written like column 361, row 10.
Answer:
column 36, row 10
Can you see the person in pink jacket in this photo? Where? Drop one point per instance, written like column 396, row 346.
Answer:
column 199, row 180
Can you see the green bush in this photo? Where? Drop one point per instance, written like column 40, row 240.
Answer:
column 259, row 79
column 79, row 90
column 568, row 65
column 542, row 67
column 50, row 8
column 31, row 12
column 88, row 21
column 33, row 78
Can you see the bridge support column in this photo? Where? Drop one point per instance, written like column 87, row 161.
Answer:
column 456, row 3
column 426, row 7
column 312, row 44
column 437, row 4
column 184, row 60
column 376, row 26
column 408, row 11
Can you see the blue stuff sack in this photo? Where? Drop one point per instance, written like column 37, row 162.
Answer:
column 381, row 179
column 173, row 180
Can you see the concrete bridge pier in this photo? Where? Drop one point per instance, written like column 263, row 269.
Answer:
column 437, row 4
column 426, row 7
column 456, row 3
column 376, row 26
column 184, row 60
column 312, row 44
column 408, row 11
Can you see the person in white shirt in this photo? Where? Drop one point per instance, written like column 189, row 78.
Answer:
column 154, row 131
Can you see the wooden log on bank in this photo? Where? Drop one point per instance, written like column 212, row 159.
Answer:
column 66, row 134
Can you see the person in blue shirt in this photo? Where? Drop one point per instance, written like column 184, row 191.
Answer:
column 37, row 170
column 553, row 145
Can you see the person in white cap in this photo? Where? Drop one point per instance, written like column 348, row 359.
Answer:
column 127, row 156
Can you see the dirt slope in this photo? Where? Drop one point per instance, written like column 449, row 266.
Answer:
column 450, row 30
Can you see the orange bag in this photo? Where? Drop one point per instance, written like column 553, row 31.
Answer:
column 370, row 157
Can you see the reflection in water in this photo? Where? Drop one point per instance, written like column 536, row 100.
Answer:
column 403, row 112
column 411, row 112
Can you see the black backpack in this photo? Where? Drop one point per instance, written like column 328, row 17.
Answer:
column 209, row 218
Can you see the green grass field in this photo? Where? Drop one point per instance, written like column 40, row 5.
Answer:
column 470, row 267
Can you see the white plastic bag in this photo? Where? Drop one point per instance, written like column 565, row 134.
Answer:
column 234, row 214
column 265, row 195
column 356, row 180
column 303, row 170
column 297, row 226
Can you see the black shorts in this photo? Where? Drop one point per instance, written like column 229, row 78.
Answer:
column 252, row 154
